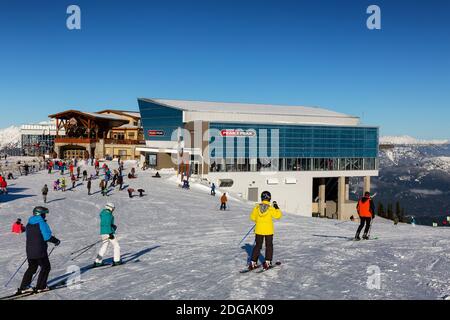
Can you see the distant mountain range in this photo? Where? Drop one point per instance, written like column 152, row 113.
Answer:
column 416, row 173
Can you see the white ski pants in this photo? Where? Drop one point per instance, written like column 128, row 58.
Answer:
column 105, row 243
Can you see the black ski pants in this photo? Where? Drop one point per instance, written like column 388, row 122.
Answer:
column 257, row 248
column 33, row 265
column 365, row 221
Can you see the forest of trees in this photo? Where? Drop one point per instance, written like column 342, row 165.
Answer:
column 397, row 215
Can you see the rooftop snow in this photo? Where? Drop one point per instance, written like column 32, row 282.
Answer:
column 248, row 108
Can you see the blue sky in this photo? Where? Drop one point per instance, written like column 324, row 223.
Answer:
column 316, row 53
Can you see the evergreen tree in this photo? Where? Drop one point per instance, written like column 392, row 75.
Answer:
column 380, row 210
column 398, row 210
column 390, row 212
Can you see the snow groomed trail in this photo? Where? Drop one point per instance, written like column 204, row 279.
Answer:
column 177, row 244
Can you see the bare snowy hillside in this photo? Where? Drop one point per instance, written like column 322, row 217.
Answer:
column 10, row 137
column 176, row 244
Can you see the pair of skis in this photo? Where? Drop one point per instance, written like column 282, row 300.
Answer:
column 58, row 285
column 278, row 263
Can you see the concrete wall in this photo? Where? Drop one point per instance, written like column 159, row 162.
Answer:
column 294, row 198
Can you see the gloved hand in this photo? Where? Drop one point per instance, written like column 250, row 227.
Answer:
column 111, row 236
column 275, row 205
column 54, row 240
column 114, row 227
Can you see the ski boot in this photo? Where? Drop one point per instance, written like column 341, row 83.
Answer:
column 98, row 264
column 26, row 290
column 252, row 265
column 357, row 238
column 41, row 290
column 117, row 263
column 267, row 265
column 365, row 237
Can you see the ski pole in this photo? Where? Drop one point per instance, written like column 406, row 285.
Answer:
column 87, row 249
column 247, row 234
column 16, row 272
column 91, row 245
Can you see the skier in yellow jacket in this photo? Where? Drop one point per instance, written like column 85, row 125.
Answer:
column 263, row 215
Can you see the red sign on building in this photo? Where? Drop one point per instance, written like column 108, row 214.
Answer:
column 237, row 133
column 155, row 132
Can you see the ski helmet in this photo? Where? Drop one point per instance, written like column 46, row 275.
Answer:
column 37, row 211
column 266, row 196
column 110, row 206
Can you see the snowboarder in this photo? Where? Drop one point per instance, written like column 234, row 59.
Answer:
column 213, row 189
column 263, row 215
column 107, row 233
column 366, row 212
column 17, row 226
column 223, row 201
column 56, row 185
column 85, row 175
column 38, row 233
column 44, row 193
column 89, row 186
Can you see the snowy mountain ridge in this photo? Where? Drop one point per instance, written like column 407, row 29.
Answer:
column 408, row 140
column 10, row 137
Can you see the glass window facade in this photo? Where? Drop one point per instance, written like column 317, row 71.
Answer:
column 293, row 148
column 34, row 145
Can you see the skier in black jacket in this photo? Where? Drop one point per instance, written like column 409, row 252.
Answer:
column 38, row 233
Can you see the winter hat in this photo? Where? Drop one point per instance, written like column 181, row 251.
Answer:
column 110, row 206
column 266, row 196
column 367, row 194
column 37, row 211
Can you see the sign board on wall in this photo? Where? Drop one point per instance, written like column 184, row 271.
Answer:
column 153, row 133
column 237, row 133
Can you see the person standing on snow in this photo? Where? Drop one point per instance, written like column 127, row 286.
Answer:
column 366, row 212
column 107, row 231
column 103, row 187
column 63, row 184
column 223, row 201
column 120, row 181
column 263, row 215
column 89, row 186
column 213, row 189
column 44, row 193
column 38, row 233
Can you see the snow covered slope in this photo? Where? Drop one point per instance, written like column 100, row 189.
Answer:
column 178, row 245
column 10, row 137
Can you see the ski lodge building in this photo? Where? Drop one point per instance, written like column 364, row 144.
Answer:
column 103, row 134
column 305, row 156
